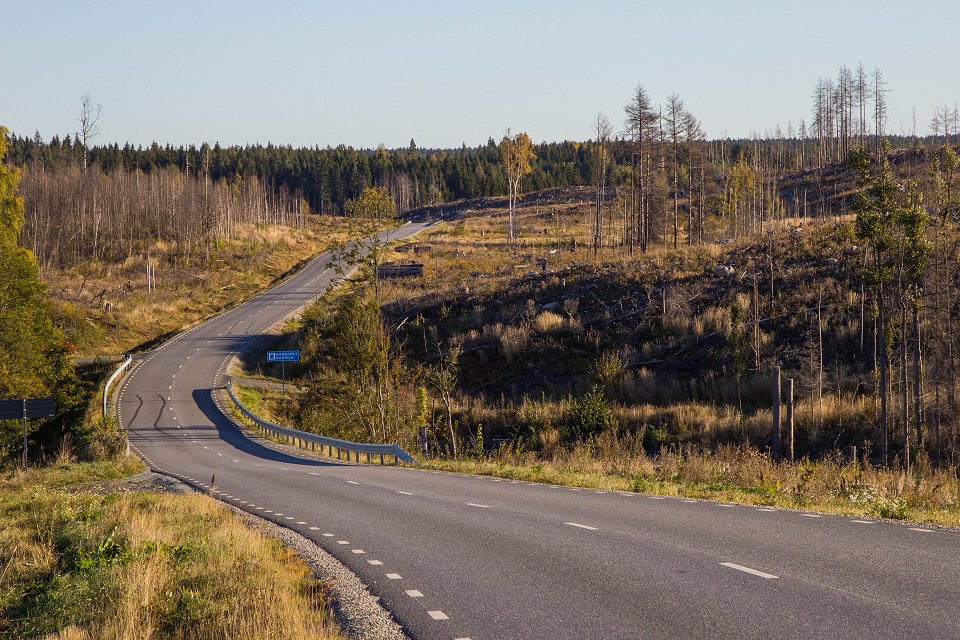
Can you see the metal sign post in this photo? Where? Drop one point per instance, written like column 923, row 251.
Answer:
column 25, row 409
column 283, row 357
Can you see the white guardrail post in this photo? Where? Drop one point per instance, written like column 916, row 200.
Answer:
column 331, row 444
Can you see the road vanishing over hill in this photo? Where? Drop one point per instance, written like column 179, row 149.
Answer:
column 457, row 556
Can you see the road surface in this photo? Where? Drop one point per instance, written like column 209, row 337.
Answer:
column 456, row 556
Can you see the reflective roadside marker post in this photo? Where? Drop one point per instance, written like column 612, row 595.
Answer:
column 24, row 434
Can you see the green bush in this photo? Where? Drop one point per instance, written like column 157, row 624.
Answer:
column 590, row 415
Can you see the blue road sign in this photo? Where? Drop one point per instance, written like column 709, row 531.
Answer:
column 283, row 356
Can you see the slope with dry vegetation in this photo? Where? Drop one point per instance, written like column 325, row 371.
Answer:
column 547, row 353
column 104, row 562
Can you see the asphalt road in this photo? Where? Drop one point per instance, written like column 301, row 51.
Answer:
column 455, row 556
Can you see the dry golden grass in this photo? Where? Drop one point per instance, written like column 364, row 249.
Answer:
column 144, row 565
column 549, row 322
column 734, row 474
column 107, row 309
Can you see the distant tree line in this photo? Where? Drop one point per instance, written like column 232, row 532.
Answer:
column 75, row 215
column 658, row 179
column 326, row 178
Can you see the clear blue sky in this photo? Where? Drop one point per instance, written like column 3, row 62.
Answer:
column 444, row 73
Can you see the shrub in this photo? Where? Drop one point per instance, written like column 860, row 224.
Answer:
column 590, row 415
column 609, row 368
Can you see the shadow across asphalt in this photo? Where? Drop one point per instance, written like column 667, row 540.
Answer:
column 231, row 434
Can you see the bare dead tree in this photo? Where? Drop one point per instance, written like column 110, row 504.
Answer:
column 602, row 131
column 89, row 119
column 675, row 117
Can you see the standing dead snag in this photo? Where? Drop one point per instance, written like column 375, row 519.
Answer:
column 89, row 119
column 601, row 127
column 775, row 439
column 641, row 128
column 676, row 115
column 516, row 153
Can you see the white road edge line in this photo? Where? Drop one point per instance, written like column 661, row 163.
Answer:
column 753, row 572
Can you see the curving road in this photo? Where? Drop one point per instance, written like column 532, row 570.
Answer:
column 455, row 556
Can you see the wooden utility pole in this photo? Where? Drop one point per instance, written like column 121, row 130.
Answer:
column 904, row 387
column 756, row 323
column 790, row 450
column 820, row 358
column 775, row 445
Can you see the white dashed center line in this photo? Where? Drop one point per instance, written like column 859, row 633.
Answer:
column 375, row 563
column 352, row 482
column 413, row 593
column 482, row 506
column 580, row 526
column 405, row 493
column 753, row 572
column 393, row 576
column 438, row 615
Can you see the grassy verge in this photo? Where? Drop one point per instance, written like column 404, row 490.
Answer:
column 143, row 565
column 741, row 476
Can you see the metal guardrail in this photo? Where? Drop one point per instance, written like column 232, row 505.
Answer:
column 317, row 443
column 111, row 380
